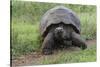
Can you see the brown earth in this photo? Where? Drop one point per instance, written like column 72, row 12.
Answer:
column 36, row 57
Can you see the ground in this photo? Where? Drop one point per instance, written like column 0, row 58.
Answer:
column 37, row 58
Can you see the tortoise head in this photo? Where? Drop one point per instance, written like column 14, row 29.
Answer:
column 62, row 33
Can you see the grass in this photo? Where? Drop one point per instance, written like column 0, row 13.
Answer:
column 25, row 30
column 25, row 38
column 88, row 55
column 88, row 25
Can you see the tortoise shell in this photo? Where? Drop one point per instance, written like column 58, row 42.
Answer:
column 56, row 15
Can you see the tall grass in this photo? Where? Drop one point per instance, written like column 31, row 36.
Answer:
column 25, row 38
column 25, row 24
column 33, row 11
column 88, row 25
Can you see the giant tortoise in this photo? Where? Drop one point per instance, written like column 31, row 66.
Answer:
column 60, row 26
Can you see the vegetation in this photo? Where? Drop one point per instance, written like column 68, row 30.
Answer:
column 87, row 55
column 25, row 36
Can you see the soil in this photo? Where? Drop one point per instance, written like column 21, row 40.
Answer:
column 36, row 57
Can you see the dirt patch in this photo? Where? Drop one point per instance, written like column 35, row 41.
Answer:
column 37, row 58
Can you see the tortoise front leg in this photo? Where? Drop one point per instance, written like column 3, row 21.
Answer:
column 47, row 44
column 78, row 41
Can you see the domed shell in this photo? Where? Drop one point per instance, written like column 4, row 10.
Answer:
column 57, row 15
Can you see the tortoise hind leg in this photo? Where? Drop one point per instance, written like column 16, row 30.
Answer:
column 47, row 44
column 78, row 41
